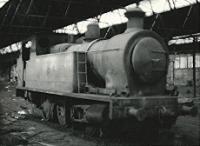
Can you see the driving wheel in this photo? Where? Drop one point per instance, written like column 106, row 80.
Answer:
column 61, row 114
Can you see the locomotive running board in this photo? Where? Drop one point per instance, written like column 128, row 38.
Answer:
column 94, row 97
column 114, row 102
column 22, row 92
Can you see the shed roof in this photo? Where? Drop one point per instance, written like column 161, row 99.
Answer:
column 20, row 18
column 176, row 22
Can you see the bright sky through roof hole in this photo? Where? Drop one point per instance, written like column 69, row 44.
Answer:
column 111, row 18
column 117, row 16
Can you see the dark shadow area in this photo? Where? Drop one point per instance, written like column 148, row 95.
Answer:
column 1, row 111
column 1, row 108
column 7, row 114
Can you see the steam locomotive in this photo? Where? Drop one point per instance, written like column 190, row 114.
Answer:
column 102, row 80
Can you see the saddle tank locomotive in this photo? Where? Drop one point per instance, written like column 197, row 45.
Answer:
column 103, row 80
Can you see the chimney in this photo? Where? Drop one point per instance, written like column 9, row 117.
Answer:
column 135, row 18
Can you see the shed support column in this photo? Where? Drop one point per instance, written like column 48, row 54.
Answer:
column 173, row 72
column 194, row 68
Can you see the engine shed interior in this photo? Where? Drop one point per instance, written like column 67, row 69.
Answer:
column 145, row 71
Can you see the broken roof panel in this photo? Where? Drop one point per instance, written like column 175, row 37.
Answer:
column 176, row 22
column 20, row 18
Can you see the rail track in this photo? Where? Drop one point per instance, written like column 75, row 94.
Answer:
column 176, row 136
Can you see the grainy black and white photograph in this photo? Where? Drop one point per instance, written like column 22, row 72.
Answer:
column 99, row 72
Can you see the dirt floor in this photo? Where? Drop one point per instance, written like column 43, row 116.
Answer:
column 20, row 125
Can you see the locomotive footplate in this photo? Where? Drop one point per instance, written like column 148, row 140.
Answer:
column 142, row 108
column 97, row 108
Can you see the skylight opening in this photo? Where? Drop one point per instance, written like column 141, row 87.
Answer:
column 3, row 2
column 148, row 6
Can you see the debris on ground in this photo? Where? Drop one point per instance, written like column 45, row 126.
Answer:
column 22, row 124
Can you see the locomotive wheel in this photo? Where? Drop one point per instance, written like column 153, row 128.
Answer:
column 47, row 110
column 61, row 114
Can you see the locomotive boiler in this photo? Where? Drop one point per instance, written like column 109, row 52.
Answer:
column 102, row 80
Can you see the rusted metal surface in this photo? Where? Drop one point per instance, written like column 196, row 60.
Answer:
column 52, row 72
column 120, row 107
